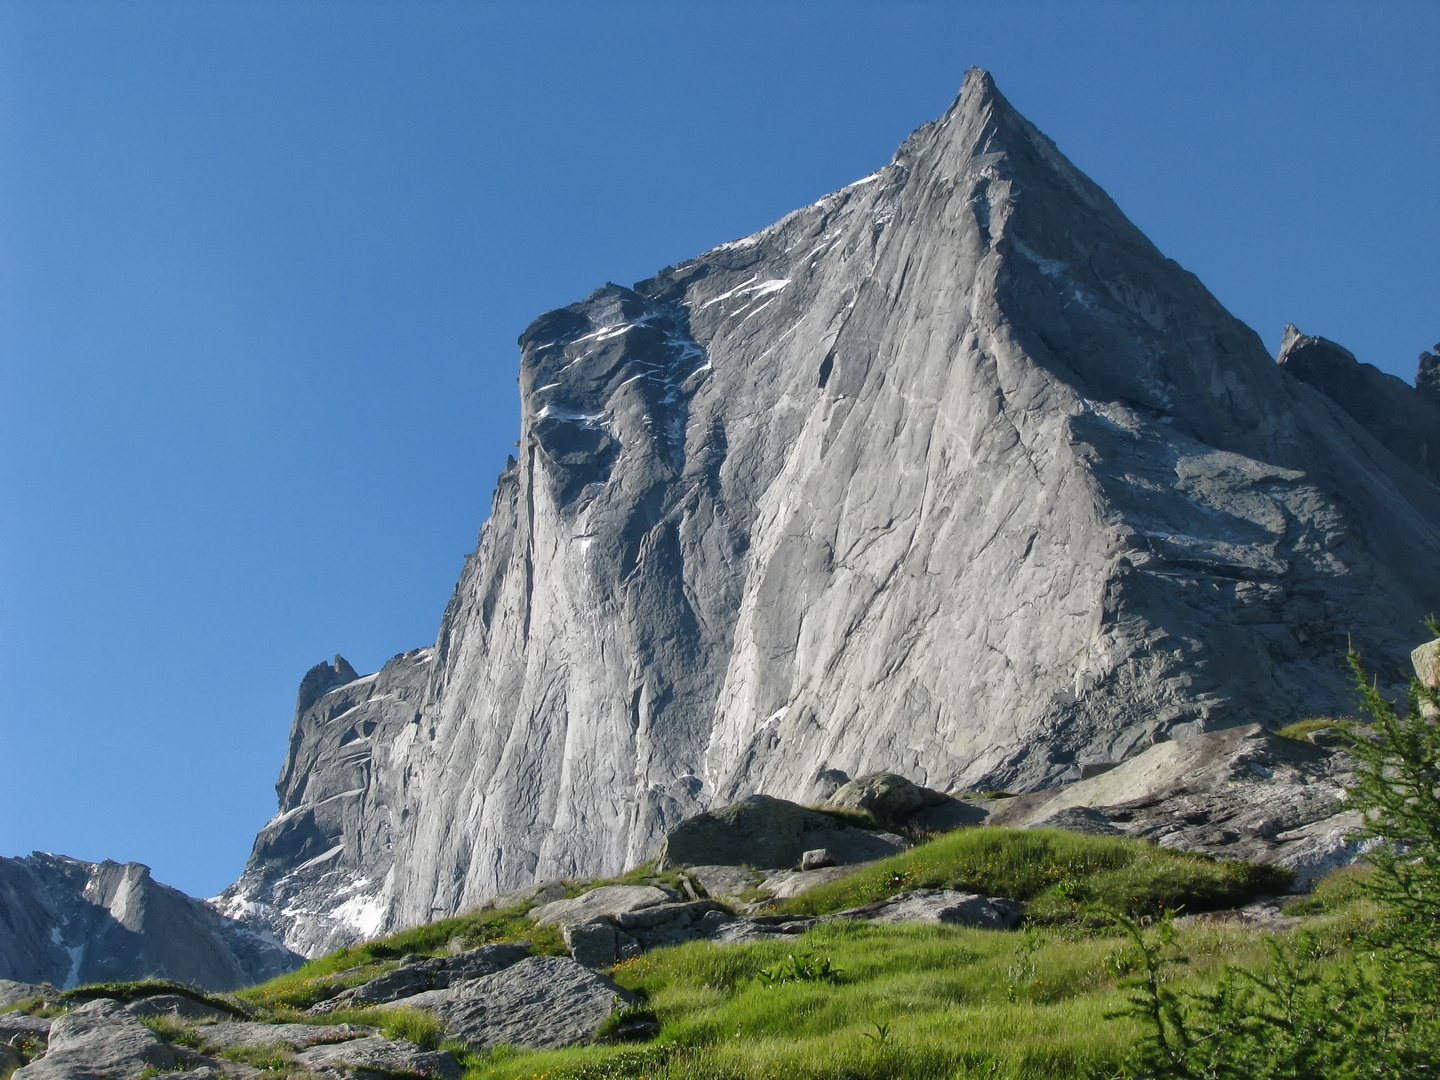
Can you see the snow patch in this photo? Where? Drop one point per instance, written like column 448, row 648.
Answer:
column 366, row 914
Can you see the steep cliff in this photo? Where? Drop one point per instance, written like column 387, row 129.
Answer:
column 950, row 473
column 65, row 922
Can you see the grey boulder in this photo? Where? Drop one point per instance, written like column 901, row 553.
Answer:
column 889, row 797
column 417, row 974
column 770, row 833
column 99, row 1039
column 607, row 900
column 17, row 1027
column 376, row 1054
column 12, row 991
column 942, row 906
column 177, row 1006
column 725, row 882
column 288, row 1036
column 542, row 1002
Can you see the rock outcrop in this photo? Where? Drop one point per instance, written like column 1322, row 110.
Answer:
column 950, row 474
column 1404, row 419
column 65, row 922
column 1241, row 793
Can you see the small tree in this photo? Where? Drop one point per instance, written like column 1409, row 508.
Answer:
column 1398, row 786
column 1306, row 1015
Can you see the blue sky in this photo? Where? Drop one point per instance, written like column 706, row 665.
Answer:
column 262, row 268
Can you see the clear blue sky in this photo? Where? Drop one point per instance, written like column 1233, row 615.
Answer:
column 262, row 267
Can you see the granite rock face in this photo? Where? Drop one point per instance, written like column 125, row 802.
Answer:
column 317, row 869
column 1241, row 793
column 950, row 474
column 1404, row 419
column 66, row 922
column 99, row 1039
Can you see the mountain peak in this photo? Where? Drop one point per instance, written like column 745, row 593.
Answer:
column 950, row 474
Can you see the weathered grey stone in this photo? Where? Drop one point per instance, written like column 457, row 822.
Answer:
column 479, row 962
column 761, row 831
column 606, row 900
column 791, row 883
column 889, row 797
column 817, row 859
column 538, row 895
column 725, row 882
column 543, row 1001
column 666, row 914
column 12, row 991
column 16, row 1026
column 375, row 1054
column 1241, row 793
column 176, row 1005
column 289, row 1036
column 592, row 944
column 951, row 474
column 942, row 906
column 99, row 1039
column 10, row 1059
column 1081, row 819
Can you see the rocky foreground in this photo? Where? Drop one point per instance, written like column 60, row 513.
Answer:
column 1240, row 793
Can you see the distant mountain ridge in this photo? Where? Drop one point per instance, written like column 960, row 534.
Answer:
column 67, row 922
column 950, row 474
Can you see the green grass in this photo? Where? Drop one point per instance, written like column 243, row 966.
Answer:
column 1302, row 728
column 909, row 1001
column 1338, row 892
column 324, row 978
column 1060, row 874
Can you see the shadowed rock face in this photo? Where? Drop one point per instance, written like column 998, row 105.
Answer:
column 67, row 922
column 1404, row 419
column 950, row 474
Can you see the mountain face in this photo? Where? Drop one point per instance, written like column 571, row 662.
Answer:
column 67, row 922
column 950, row 474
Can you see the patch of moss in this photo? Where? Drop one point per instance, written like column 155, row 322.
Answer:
column 1301, row 729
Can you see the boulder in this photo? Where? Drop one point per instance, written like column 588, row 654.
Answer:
column 544, row 893
column 725, row 882
column 15, row 1027
column 416, row 974
column 177, row 1006
column 592, row 944
column 12, row 991
column 817, row 859
column 99, row 1039
column 10, row 1059
column 770, row 833
column 542, row 1002
column 942, row 906
column 888, row 797
column 1240, row 793
column 241, row 1034
column 376, row 1054
column 791, row 883
column 607, row 900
